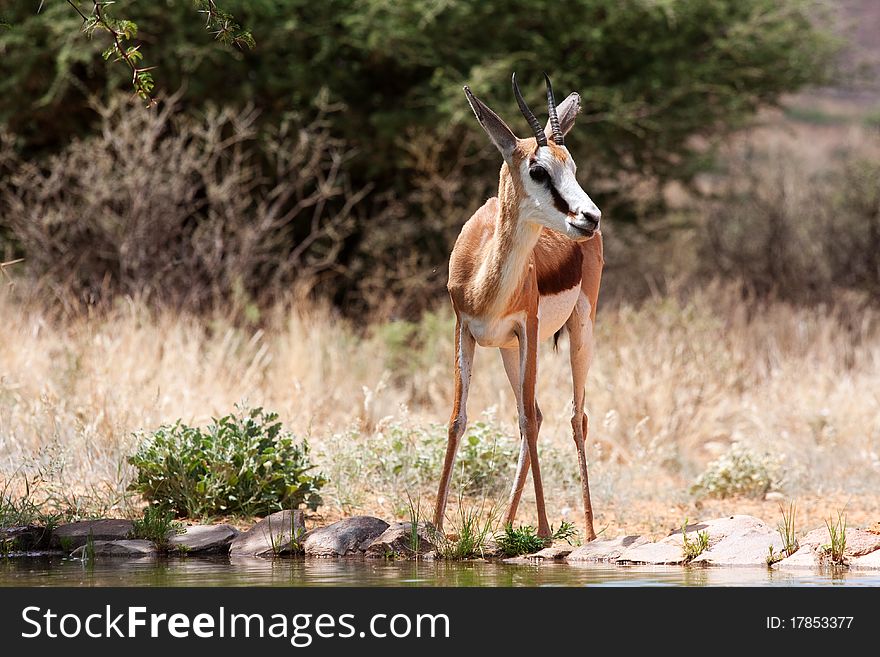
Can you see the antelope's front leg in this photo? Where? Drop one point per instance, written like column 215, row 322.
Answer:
column 580, row 331
column 528, row 411
column 464, row 358
column 510, row 358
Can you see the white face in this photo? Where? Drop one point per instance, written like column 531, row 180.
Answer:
column 553, row 196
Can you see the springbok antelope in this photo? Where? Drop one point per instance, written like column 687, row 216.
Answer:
column 526, row 265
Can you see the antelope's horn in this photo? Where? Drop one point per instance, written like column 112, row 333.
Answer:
column 558, row 137
column 530, row 116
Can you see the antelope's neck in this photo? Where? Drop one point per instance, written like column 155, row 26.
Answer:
column 502, row 273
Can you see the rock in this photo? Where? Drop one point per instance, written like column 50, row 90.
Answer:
column 124, row 548
column 397, row 541
column 867, row 562
column 653, row 553
column 552, row 553
column 725, row 534
column 748, row 545
column 861, row 545
column 605, row 550
column 490, row 548
column 748, row 549
column 774, row 496
column 805, row 557
column 75, row 534
column 23, row 539
column 204, row 539
column 719, row 528
column 858, row 541
column 347, row 536
column 273, row 535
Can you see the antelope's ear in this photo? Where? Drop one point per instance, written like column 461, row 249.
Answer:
column 567, row 111
column 501, row 135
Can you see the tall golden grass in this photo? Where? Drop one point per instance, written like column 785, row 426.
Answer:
column 675, row 381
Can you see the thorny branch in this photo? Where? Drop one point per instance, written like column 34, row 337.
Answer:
column 220, row 23
column 141, row 79
column 9, row 263
column 223, row 26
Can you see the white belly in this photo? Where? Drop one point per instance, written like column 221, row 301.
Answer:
column 554, row 310
column 500, row 332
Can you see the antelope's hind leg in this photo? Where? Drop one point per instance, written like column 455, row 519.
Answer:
column 464, row 359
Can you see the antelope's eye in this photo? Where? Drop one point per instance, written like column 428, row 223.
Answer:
column 539, row 175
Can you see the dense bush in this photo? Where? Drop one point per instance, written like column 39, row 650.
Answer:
column 157, row 524
column 241, row 464
column 797, row 229
column 176, row 209
column 739, row 471
column 525, row 540
column 484, row 464
column 402, row 459
column 653, row 75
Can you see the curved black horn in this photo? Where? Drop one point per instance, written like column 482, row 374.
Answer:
column 558, row 137
column 530, row 117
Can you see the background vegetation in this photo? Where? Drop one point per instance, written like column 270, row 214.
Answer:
column 241, row 464
column 338, row 152
column 275, row 229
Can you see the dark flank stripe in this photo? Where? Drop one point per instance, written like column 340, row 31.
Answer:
column 558, row 268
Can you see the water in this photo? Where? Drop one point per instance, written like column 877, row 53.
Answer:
column 192, row 571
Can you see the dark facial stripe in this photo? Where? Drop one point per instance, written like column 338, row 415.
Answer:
column 559, row 202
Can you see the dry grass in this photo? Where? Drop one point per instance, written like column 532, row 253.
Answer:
column 673, row 385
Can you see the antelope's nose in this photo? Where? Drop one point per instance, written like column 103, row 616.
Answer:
column 591, row 218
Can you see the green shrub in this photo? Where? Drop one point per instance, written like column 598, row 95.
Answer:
column 156, row 525
column 240, row 464
column 739, row 471
column 691, row 549
column 471, row 529
column 17, row 510
column 402, row 458
column 835, row 550
column 872, row 118
column 486, row 459
column 33, row 503
column 525, row 540
column 485, row 463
